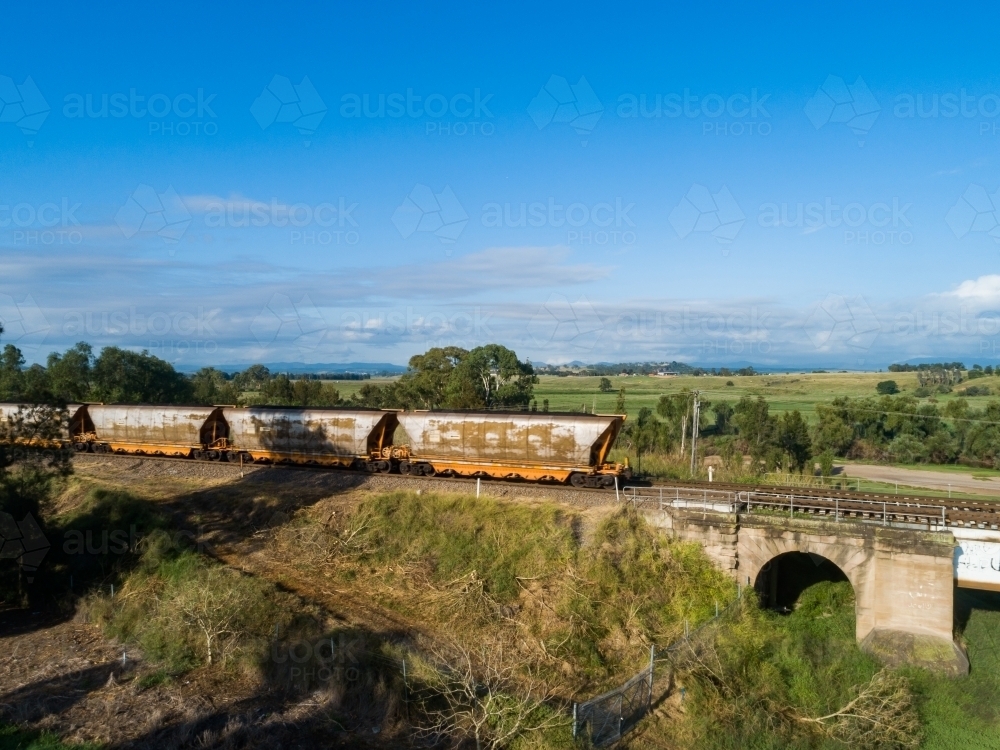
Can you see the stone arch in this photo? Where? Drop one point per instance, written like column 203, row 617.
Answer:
column 781, row 581
column 758, row 548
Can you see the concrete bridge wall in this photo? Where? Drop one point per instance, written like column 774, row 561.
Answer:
column 903, row 579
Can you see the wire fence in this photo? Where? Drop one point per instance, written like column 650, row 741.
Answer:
column 608, row 717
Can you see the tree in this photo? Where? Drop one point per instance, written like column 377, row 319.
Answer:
column 723, row 417
column 377, row 396
column 11, row 375
column 426, row 382
column 489, row 377
column 314, row 393
column 69, row 374
column 793, row 438
column 27, row 472
column 486, row 698
column 605, row 386
column 833, row 433
column 887, row 387
column 757, row 428
column 211, row 387
column 881, row 715
column 124, row 377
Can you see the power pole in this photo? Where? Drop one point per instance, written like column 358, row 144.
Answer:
column 694, row 430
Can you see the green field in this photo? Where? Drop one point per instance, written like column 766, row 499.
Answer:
column 784, row 392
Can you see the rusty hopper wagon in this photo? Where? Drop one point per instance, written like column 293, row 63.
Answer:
column 12, row 413
column 186, row 431
column 515, row 445
column 358, row 438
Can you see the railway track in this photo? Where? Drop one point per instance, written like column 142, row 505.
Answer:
column 835, row 504
column 886, row 508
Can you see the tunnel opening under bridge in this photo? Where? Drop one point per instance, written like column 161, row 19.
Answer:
column 784, row 578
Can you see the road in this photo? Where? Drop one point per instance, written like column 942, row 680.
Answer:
column 934, row 480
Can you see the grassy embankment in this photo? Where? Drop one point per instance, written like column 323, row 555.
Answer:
column 567, row 600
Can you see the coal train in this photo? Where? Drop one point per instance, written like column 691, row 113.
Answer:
column 546, row 446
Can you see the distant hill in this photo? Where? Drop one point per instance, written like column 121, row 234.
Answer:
column 302, row 368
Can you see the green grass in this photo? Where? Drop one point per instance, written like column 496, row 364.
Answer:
column 185, row 610
column 808, row 664
column 15, row 738
column 965, row 713
column 459, row 535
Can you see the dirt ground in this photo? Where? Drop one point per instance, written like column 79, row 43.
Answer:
column 929, row 479
column 59, row 673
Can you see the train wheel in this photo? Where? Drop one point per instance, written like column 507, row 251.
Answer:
column 608, row 480
column 578, row 480
column 81, row 447
column 405, row 467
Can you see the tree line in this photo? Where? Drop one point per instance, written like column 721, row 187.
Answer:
column 746, row 428
column 488, row 377
column 902, row 429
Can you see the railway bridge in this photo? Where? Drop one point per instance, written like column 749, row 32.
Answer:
column 903, row 556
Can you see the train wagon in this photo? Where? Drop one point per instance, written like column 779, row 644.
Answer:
column 514, row 445
column 358, row 438
column 186, row 431
column 12, row 412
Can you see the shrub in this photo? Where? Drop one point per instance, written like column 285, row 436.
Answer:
column 185, row 610
column 907, row 449
column 887, row 387
column 976, row 390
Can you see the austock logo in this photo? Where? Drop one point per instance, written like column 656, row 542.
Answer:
column 700, row 210
column 283, row 321
column 853, row 105
column 23, row 541
column 163, row 214
column 976, row 211
column 839, row 321
column 23, row 105
column 282, row 101
column 24, row 323
column 423, row 210
column 559, row 321
column 574, row 104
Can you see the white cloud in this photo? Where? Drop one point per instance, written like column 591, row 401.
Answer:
column 984, row 290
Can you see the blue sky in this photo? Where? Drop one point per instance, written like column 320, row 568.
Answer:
column 335, row 183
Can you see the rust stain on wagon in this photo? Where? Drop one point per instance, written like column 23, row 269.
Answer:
column 532, row 443
column 309, row 435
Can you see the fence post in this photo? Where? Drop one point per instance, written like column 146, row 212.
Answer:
column 652, row 655
column 661, row 498
column 621, row 719
column 574, row 719
column 836, row 509
column 885, row 516
column 617, row 499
